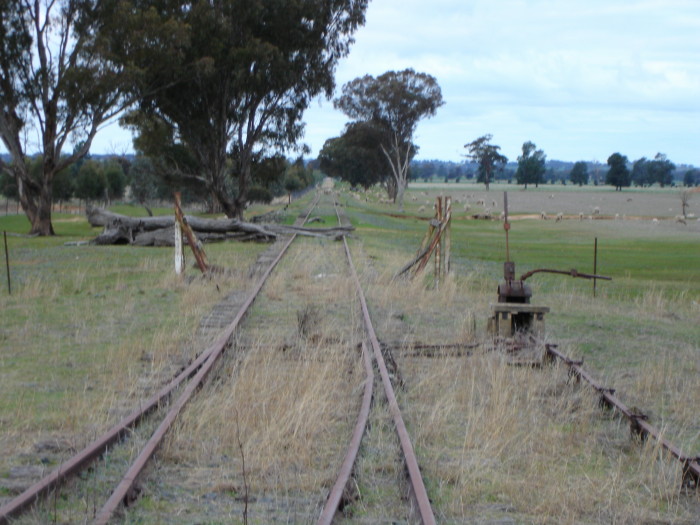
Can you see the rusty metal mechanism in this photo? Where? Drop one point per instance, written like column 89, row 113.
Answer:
column 513, row 313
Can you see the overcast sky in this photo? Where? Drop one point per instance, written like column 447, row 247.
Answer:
column 580, row 78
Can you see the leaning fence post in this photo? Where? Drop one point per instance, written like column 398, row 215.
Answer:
column 7, row 265
column 448, row 238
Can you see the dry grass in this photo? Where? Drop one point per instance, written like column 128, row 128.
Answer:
column 498, row 441
column 496, row 438
column 289, row 389
column 292, row 411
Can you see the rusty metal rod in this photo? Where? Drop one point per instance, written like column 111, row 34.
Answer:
column 573, row 273
column 417, row 486
column 333, row 502
column 638, row 422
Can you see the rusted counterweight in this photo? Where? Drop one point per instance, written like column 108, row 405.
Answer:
column 513, row 313
column 511, row 290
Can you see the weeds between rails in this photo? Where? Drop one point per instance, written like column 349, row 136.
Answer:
column 417, row 488
column 196, row 372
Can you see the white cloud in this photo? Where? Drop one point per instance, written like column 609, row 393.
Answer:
column 588, row 77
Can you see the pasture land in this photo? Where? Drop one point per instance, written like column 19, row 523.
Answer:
column 91, row 327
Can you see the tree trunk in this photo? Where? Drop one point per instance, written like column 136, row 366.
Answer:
column 158, row 231
column 400, row 190
column 36, row 203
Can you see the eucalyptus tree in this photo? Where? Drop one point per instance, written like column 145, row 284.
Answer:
column 243, row 74
column 356, row 156
column 531, row 165
column 661, row 170
column 56, row 90
column 579, row 173
column 618, row 174
column 487, row 157
column 394, row 103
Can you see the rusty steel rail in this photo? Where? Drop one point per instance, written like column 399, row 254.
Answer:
column 638, row 421
column 200, row 367
column 334, row 497
column 126, row 484
column 419, row 493
column 91, row 452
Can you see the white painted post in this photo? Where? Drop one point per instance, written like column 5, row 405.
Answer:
column 179, row 253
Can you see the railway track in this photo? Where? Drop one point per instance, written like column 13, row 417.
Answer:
column 184, row 386
column 217, row 368
column 191, row 378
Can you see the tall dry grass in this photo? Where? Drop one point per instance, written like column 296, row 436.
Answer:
column 293, row 415
column 498, row 441
column 497, row 438
column 289, row 389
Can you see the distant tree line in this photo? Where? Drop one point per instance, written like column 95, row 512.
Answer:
column 640, row 173
column 136, row 179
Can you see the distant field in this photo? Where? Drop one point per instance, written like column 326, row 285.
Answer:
column 570, row 200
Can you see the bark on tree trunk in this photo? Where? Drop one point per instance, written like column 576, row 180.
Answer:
column 36, row 203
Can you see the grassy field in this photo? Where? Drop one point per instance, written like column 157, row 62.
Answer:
column 98, row 327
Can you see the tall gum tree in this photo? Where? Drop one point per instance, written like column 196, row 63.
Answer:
column 487, row 157
column 56, row 89
column 240, row 85
column 618, row 175
column 531, row 165
column 394, row 102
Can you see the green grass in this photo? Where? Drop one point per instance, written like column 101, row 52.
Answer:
column 82, row 321
column 61, row 328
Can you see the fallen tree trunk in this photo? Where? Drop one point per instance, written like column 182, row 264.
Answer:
column 158, row 231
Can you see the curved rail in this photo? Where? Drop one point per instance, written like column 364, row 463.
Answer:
column 420, row 495
column 200, row 367
column 127, row 482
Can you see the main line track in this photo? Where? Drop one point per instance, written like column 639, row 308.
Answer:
column 192, row 377
column 190, row 380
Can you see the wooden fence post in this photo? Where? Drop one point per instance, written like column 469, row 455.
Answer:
column 7, row 264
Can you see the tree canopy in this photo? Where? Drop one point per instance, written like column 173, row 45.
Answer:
column 618, row 175
column 356, row 156
column 531, row 165
column 486, row 156
column 579, row 173
column 661, row 170
column 393, row 103
column 243, row 75
column 56, row 88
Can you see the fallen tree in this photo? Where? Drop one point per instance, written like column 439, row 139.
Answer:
column 159, row 231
